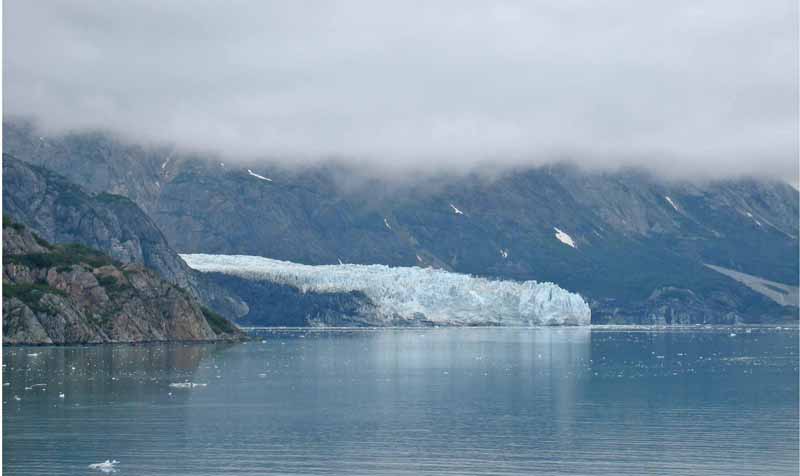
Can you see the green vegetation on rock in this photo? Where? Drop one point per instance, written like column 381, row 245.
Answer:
column 30, row 294
column 218, row 324
column 62, row 256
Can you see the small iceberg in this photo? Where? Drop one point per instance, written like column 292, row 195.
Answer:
column 187, row 385
column 106, row 466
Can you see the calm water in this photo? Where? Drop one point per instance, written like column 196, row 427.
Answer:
column 434, row 401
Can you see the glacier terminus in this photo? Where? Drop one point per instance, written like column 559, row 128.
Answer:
column 408, row 295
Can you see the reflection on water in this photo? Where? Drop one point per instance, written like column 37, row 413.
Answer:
column 432, row 401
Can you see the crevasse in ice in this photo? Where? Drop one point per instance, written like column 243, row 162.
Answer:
column 413, row 293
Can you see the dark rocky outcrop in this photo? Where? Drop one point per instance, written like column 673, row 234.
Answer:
column 69, row 294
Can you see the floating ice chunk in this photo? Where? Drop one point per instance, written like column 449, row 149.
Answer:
column 671, row 203
column 414, row 293
column 33, row 354
column 564, row 238
column 187, row 385
column 106, row 466
column 456, row 210
column 7, row 384
column 258, row 176
column 419, row 258
column 16, row 397
column 504, row 254
column 733, row 334
column 386, row 222
column 61, row 395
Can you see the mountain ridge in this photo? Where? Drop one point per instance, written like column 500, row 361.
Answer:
column 640, row 243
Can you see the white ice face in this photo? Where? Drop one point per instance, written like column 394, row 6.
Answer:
column 411, row 293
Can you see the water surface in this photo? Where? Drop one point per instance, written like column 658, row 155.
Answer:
column 407, row 402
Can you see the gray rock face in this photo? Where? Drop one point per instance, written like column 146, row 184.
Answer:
column 640, row 244
column 68, row 295
column 62, row 212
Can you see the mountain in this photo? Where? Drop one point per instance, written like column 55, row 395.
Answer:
column 61, row 212
column 638, row 248
column 69, row 294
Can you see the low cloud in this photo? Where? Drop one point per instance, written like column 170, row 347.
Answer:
column 684, row 88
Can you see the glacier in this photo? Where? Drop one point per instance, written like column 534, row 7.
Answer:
column 414, row 295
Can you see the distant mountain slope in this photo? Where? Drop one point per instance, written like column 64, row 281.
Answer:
column 279, row 305
column 61, row 212
column 780, row 293
column 633, row 245
column 72, row 294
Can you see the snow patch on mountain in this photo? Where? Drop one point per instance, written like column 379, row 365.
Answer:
column 671, row 203
column 413, row 294
column 750, row 215
column 258, row 176
column 564, row 238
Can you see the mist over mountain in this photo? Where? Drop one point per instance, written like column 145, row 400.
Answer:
column 685, row 89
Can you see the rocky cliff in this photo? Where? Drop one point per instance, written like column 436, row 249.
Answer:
column 62, row 212
column 70, row 294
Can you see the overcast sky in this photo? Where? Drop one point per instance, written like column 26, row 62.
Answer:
column 685, row 88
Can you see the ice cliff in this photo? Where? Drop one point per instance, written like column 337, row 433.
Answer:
column 414, row 294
